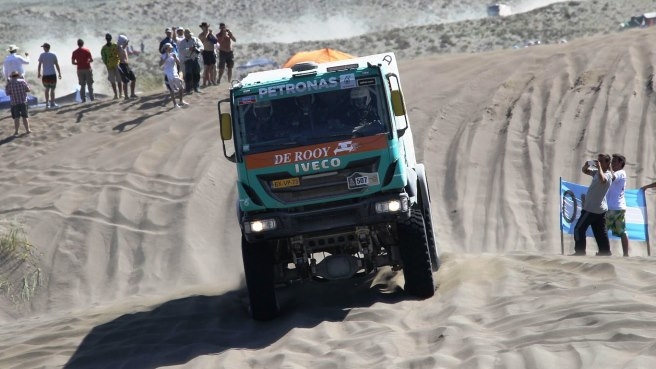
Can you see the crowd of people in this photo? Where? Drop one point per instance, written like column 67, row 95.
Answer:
column 115, row 56
column 181, row 56
column 182, row 53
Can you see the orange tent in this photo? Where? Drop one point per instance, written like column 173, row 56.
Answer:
column 319, row 56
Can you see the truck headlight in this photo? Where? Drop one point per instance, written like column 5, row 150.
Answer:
column 261, row 225
column 392, row 206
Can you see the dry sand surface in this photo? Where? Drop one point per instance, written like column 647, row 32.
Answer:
column 129, row 206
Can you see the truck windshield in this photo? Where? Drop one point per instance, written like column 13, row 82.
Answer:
column 288, row 121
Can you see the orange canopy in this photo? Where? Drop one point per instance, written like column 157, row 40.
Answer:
column 319, row 56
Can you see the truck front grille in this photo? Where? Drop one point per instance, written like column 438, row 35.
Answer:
column 318, row 186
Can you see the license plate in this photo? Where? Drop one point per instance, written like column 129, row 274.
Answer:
column 287, row 182
column 360, row 180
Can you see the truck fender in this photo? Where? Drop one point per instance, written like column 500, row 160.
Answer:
column 240, row 214
column 411, row 187
column 422, row 182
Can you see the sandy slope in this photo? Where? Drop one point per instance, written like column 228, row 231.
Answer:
column 131, row 206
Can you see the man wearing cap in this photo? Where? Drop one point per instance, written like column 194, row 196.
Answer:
column 179, row 34
column 83, row 59
column 14, row 62
column 50, row 70
column 17, row 90
column 209, row 57
column 190, row 49
column 169, row 39
column 109, row 55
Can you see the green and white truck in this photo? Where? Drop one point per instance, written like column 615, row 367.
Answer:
column 328, row 182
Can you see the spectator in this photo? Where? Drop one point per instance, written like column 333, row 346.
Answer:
column 171, row 67
column 209, row 57
column 169, row 39
column 190, row 49
column 616, row 215
column 17, row 90
column 48, row 61
column 179, row 35
column 226, row 56
column 127, row 75
column 83, row 59
column 109, row 55
column 595, row 207
column 14, row 62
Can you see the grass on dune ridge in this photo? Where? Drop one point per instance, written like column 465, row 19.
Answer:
column 21, row 275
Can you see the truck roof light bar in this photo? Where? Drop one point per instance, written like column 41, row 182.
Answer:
column 342, row 67
column 305, row 66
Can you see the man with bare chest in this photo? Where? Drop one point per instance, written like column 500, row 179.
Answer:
column 226, row 56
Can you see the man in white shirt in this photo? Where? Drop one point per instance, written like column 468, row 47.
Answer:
column 14, row 62
column 616, row 215
column 190, row 48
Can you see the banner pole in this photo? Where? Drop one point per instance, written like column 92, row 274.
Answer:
column 562, row 242
column 646, row 224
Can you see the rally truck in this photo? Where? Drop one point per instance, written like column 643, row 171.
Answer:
column 328, row 183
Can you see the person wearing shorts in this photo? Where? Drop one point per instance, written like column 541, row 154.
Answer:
column 82, row 59
column 47, row 70
column 126, row 73
column 616, row 215
column 109, row 54
column 226, row 56
column 17, row 90
column 208, row 40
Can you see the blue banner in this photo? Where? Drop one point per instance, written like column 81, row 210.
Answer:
column 572, row 196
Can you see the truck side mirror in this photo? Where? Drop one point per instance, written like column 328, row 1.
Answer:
column 397, row 103
column 226, row 127
column 398, row 107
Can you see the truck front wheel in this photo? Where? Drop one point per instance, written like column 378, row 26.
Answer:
column 416, row 257
column 259, row 270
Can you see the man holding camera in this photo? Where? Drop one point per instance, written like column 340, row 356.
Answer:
column 595, row 206
column 226, row 56
column 190, row 49
column 209, row 57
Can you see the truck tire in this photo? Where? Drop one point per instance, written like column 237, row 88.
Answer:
column 415, row 255
column 258, row 268
column 424, row 203
column 432, row 244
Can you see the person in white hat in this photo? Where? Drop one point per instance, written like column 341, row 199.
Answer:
column 17, row 90
column 14, row 62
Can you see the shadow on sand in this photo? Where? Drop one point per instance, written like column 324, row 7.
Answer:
column 180, row 330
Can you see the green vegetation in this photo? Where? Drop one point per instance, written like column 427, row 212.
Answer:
column 20, row 273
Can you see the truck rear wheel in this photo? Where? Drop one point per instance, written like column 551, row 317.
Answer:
column 416, row 257
column 258, row 268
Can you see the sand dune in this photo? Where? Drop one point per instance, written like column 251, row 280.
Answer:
column 130, row 208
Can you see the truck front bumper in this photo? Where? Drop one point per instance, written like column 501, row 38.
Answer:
column 291, row 222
